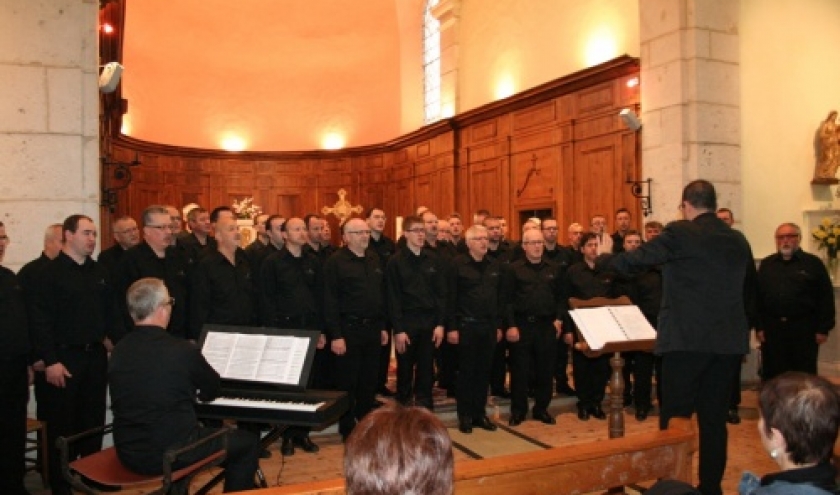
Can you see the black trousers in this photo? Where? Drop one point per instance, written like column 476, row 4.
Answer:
column 532, row 356
column 415, row 368
column 561, row 377
column 446, row 357
column 14, row 395
column 639, row 366
column 701, row 382
column 787, row 348
column 500, row 367
column 591, row 375
column 476, row 343
column 356, row 371
column 384, row 362
column 78, row 407
column 240, row 464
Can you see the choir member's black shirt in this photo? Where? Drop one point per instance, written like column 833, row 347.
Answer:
column 415, row 283
column 110, row 259
column 14, row 336
column 193, row 250
column 474, row 291
column 798, row 289
column 353, row 288
column 644, row 290
column 533, row 289
column 73, row 306
column 384, row 248
column 154, row 379
column 221, row 292
column 141, row 261
column 28, row 274
column 582, row 282
column 291, row 287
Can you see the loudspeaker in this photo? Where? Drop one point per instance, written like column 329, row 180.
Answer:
column 630, row 119
column 110, row 77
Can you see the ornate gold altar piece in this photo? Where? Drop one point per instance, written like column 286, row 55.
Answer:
column 342, row 209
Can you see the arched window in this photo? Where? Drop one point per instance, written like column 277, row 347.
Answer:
column 431, row 64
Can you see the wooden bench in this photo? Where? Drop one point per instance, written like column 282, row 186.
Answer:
column 574, row 469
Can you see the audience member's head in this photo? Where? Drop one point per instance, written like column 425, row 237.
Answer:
column 653, row 229
column 399, row 450
column 726, row 215
column 800, row 414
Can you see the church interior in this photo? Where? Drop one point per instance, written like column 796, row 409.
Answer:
column 456, row 105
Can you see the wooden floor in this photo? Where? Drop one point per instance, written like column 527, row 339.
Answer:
column 745, row 450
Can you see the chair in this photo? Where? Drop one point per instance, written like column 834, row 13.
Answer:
column 105, row 468
column 39, row 445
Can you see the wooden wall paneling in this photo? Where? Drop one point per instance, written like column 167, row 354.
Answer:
column 488, row 185
column 596, row 161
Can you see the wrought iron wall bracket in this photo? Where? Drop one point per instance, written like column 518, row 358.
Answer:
column 116, row 176
column 637, row 189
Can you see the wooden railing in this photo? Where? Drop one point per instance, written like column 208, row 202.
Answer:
column 565, row 470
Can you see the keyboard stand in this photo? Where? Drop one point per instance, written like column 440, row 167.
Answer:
column 274, row 434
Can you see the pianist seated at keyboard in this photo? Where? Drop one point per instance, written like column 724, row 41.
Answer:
column 153, row 379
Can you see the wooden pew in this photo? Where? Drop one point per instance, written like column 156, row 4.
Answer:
column 574, row 469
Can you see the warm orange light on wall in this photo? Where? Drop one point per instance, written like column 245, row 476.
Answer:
column 332, row 141
column 602, row 46
column 447, row 110
column 232, row 142
column 505, row 87
column 125, row 127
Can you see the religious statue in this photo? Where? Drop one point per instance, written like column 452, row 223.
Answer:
column 828, row 150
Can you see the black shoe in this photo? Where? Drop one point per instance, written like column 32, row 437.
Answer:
column 597, row 413
column 386, row 392
column 516, row 419
column 265, row 454
column 288, row 447
column 733, row 418
column 642, row 413
column 484, row 423
column 544, row 417
column 502, row 394
column 566, row 390
column 583, row 413
column 306, row 444
column 465, row 425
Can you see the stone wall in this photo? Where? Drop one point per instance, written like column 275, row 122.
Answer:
column 48, row 118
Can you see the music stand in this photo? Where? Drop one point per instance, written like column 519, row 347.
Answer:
column 616, row 412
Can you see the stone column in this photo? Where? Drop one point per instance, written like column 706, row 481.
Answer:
column 448, row 12
column 48, row 119
column 690, row 99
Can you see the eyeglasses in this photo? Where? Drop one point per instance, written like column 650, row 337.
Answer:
column 416, row 231
column 553, row 229
column 482, row 238
column 533, row 243
column 170, row 302
column 782, row 237
column 359, row 232
column 160, row 227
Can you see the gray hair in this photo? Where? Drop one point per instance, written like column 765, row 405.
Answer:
column 152, row 210
column 144, row 297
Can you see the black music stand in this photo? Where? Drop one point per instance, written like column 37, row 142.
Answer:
column 616, row 414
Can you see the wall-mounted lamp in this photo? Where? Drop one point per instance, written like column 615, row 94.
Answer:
column 110, row 77
column 116, row 176
column 637, row 189
column 630, row 119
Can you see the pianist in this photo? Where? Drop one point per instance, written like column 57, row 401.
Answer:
column 153, row 379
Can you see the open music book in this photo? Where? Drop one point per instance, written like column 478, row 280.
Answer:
column 277, row 359
column 605, row 324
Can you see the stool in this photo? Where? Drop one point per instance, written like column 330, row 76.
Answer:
column 39, row 445
column 105, row 468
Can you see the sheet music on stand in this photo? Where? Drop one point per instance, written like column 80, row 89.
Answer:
column 611, row 324
column 280, row 357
